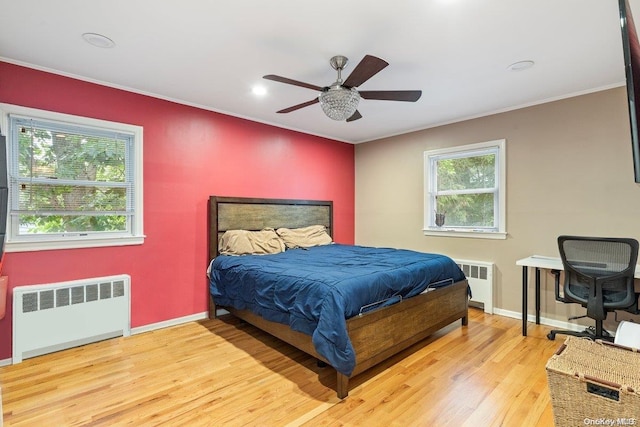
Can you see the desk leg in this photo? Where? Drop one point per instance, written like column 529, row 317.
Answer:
column 525, row 284
column 537, row 296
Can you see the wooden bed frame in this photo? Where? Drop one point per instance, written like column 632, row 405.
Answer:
column 376, row 335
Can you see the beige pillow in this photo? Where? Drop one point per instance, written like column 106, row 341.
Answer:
column 305, row 237
column 244, row 242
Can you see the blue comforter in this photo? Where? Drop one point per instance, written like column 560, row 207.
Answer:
column 315, row 290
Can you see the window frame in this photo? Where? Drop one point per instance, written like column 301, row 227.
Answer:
column 430, row 179
column 134, row 236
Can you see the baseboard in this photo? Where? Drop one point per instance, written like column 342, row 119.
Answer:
column 553, row 323
column 556, row 324
column 170, row 322
column 6, row 362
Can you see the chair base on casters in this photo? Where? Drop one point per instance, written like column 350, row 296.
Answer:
column 590, row 333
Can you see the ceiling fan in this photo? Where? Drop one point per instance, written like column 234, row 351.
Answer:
column 339, row 101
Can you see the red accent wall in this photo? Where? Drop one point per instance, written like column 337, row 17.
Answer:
column 189, row 154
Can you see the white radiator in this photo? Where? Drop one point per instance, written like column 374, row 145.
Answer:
column 480, row 277
column 56, row 316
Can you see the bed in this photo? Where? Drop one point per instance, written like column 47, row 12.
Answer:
column 367, row 332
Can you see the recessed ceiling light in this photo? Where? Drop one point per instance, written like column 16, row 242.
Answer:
column 259, row 90
column 521, row 65
column 98, row 40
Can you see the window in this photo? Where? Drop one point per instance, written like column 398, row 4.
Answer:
column 73, row 181
column 465, row 191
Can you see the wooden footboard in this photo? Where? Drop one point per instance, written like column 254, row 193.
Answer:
column 379, row 334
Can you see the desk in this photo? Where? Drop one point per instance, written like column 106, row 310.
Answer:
column 546, row 263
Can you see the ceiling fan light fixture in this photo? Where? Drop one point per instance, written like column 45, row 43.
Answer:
column 338, row 102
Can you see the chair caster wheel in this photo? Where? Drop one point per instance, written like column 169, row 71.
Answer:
column 551, row 336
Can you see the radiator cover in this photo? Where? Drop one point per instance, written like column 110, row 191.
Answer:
column 480, row 277
column 57, row 316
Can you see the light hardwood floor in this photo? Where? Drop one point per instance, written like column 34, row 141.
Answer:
column 226, row 373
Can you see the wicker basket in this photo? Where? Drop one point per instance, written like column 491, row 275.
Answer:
column 594, row 383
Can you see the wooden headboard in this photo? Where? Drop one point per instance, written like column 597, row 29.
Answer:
column 238, row 213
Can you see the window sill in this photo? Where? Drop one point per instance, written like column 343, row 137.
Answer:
column 452, row 232
column 42, row 245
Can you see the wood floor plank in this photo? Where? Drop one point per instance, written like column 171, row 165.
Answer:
column 226, row 372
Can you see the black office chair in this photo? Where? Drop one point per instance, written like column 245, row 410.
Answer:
column 598, row 274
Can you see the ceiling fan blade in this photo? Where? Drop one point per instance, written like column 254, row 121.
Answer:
column 355, row 116
column 299, row 106
column 291, row 82
column 392, row 95
column 367, row 68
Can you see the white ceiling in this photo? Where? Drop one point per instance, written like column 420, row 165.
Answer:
column 210, row 53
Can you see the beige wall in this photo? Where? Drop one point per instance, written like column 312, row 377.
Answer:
column 569, row 171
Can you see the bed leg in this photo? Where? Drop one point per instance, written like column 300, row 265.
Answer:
column 342, row 386
column 465, row 320
column 212, row 308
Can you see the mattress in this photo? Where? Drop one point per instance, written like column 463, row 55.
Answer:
column 316, row 290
